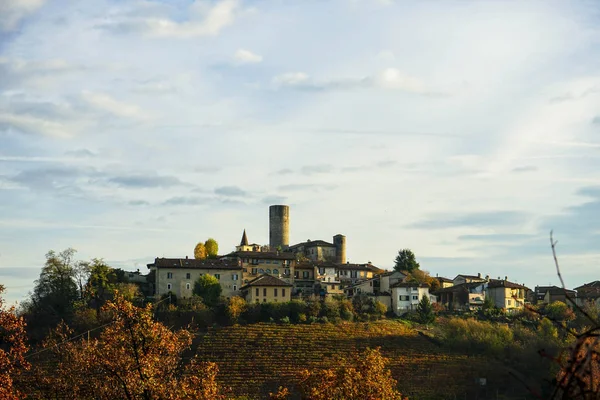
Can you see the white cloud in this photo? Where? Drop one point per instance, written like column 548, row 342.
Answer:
column 35, row 125
column 392, row 78
column 12, row 12
column 107, row 103
column 291, row 79
column 212, row 21
column 247, row 57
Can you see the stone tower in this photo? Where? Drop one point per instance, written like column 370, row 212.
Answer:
column 339, row 242
column 279, row 227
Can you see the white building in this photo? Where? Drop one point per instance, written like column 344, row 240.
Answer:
column 407, row 295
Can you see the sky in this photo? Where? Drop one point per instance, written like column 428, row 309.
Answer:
column 465, row 131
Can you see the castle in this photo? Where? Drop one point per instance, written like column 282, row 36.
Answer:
column 279, row 240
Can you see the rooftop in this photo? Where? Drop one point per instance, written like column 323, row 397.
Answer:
column 266, row 280
column 209, row 263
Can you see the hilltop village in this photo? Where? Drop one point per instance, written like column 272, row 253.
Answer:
column 282, row 271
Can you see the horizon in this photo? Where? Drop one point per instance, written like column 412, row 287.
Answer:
column 465, row 132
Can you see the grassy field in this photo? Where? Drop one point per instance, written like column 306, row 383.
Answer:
column 256, row 359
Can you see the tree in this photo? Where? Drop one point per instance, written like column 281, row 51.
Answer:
column 212, row 248
column 363, row 376
column 200, row 251
column 235, row 307
column 425, row 311
column 13, row 346
column 209, row 288
column 405, row 261
column 56, row 290
column 100, row 283
column 134, row 357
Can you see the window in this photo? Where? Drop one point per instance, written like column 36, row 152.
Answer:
column 353, row 274
column 188, row 276
column 305, row 274
column 276, row 272
column 509, row 302
column 245, row 269
column 254, row 270
column 257, row 300
column 168, row 286
column 287, row 272
column 257, row 291
column 268, row 271
column 282, row 292
column 218, row 276
column 296, row 274
column 268, row 262
column 415, row 297
column 265, row 292
column 371, row 283
column 187, row 286
column 234, row 288
column 261, row 271
column 275, row 292
column 169, row 275
column 321, row 270
column 234, row 277
column 265, row 300
column 332, row 287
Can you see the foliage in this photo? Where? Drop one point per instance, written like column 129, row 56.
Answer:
column 235, row 307
column 425, row 312
column 13, row 346
column 420, row 276
column 55, row 292
column 379, row 308
column 559, row 311
column 200, row 251
column 100, row 283
column 405, row 261
column 363, row 376
column 208, row 288
column 129, row 291
column 133, row 358
column 212, row 248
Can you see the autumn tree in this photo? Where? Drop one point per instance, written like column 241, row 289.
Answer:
column 209, row 288
column 362, row 376
column 406, row 261
column 212, row 248
column 235, row 307
column 13, row 346
column 200, row 251
column 134, row 357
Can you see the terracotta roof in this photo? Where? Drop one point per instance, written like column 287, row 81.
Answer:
column 409, row 284
column 209, row 263
column 244, row 241
column 265, row 255
column 442, row 279
column 495, row 283
column 266, row 280
column 470, row 277
column 388, row 273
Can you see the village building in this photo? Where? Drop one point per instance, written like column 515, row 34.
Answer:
column 462, row 296
column 405, row 296
column 588, row 293
column 505, row 294
column 267, row 288
column 177, row 275
column 255, row 263
column 444, row 282
column 460, row 279
column 550, row 294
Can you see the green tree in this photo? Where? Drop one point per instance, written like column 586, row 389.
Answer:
column 55, row 291
column 406, row 261
column 425, row 312
column 100, row 283
column 200, row 251
column 209, row 288
column 212, row 248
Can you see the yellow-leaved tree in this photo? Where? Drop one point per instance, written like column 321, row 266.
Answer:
column 200, row 251
column 212, row 248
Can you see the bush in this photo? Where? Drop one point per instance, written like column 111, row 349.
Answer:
column 330, row 309
column 285, row 320
column 379, row 309
column 324, row 320
column 302, row 318
column 297, row 309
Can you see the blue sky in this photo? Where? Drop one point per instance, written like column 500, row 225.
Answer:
column 462, row 130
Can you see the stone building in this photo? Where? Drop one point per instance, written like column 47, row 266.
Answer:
column 267, row 288
column 177, row 275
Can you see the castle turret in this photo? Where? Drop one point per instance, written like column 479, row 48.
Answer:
column 279, row 226
column 339, row 242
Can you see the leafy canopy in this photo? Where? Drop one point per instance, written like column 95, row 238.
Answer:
column 212, row 248
column 209, row 288
column 200, row 251
column 406, row 261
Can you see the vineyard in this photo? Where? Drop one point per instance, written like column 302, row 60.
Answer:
column 255, row 359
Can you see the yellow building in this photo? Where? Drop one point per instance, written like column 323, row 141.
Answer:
column 304, row 279
column 352, row 273
column 177, row 275
column 267, row 288
column 505, row 294
column 256, row 263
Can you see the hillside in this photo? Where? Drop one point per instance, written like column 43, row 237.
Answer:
column 256, row 359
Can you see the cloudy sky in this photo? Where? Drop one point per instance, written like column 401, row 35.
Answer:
column 464, row 131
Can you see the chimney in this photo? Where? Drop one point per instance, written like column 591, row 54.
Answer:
column 506, row 278
column 479, row 274
column 186, row 257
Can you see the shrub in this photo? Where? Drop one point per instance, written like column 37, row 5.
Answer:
column 297, row 308
column 324, row 320
column 285, row 320
column 425, row 313
column 330, row 309
column 379, row 309
column 301, row 318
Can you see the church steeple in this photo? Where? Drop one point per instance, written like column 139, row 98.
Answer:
column 244, row 241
